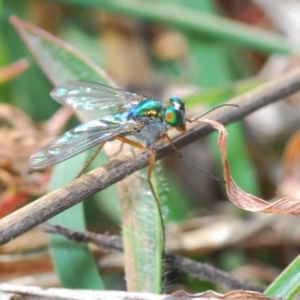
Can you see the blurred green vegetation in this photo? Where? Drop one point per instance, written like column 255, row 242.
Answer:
column 149, row 47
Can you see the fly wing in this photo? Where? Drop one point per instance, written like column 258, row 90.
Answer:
column 77, row 140
column 83, row 95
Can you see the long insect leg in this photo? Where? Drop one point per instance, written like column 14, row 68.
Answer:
column 123, row 139
column 196, row 120
column 97, row 152
column 150, row 169
column 172, row 144
column 187, row 161
column 130, row 142
column 90, row 160
column 118, row 151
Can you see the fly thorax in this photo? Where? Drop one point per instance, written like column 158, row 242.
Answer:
column 151, row 132
column 149, row 116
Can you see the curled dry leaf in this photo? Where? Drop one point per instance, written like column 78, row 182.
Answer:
column 291, row 167
column 286, row 205
column 211, row 295
column 19, row 138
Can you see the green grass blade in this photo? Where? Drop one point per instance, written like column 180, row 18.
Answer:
column 184, row 18
column 287, row 284
column 223, row 93
column 214, row 70
column 20, row 91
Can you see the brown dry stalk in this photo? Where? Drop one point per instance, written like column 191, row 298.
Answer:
column 59, row 200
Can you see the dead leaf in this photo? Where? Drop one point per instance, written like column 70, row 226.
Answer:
column 291, row 166
column 19, row 138
column 286, row 205
column 236, row 295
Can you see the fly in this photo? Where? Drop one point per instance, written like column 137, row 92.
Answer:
column 146, row 118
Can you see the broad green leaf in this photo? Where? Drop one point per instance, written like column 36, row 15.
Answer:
column 142, row 232
column 61, row 62
column 73, row 261
column 108, row 200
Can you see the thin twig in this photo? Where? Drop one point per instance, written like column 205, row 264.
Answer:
column 57, row 201
column 206, row 272
column 106, row 242
column 194, row 269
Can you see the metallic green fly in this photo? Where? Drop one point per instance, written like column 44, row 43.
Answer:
column 146, row 118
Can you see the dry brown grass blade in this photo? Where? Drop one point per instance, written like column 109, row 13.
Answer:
column 291, row 163
column 60, row 293
column 13, row 70
column 237, row 295
column 286, row 205
column 19, row 138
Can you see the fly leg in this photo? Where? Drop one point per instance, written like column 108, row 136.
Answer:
column 87, row 164
column 187, row 161
column 124, row 140
column 130, row 142
column 172, row 144
column 118, row 151
column 196, row 120
column 150, row 169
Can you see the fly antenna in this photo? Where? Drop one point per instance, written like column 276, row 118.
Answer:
column 209, row 111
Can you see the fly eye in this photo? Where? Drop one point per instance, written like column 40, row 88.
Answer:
column 173, row 117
